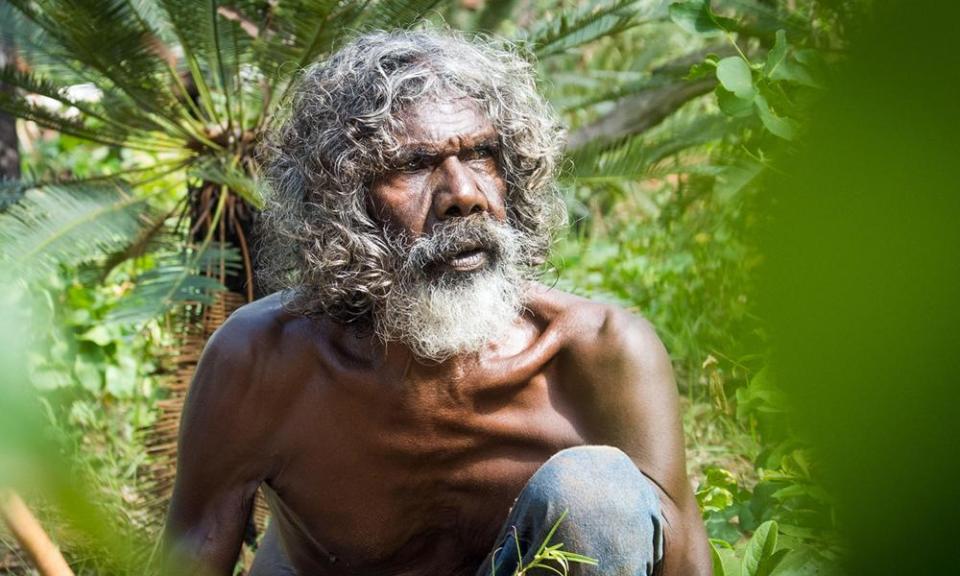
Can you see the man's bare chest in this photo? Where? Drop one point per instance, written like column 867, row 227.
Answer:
column 393, row 482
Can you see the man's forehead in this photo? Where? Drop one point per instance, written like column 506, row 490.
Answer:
column 437, row 124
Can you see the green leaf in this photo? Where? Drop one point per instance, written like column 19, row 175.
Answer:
column 235, row 180
column 586, row 24
column 770, row 563
column 718, row 569
column 99, row 335
column 777, row 54
column 793, row 71
column 734, row 74
column 695, row 16
column 122, row 379
column 804, row 561
column 492, row 14
column 115, row 48
column 762, row 545
column 88, row 374
column 175, row 279
column 777, row 125
column 724, row 558
column 66, row 225
column 731, row 105
column 397, row 13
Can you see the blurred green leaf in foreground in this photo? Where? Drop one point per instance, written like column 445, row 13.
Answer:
column 861, row 290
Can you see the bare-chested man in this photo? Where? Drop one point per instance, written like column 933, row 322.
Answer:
column 415, row 402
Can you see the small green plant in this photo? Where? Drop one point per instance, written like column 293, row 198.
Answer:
column 548, row 557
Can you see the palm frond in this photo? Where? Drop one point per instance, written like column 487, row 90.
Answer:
column 397, row 14
column 234, row 179
column 292, row 34
column 194, row 25
column 634, row 157
column 115, row 50
column 176, row 278
column 67, row 225
column 108, row 128
column 492, row 14
column 586, row 24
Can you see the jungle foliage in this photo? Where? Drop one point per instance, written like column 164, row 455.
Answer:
column 140, row 193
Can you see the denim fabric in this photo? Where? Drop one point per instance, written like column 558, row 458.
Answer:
column 613, row 515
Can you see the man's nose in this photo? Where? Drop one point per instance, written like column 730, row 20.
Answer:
column 457, row 193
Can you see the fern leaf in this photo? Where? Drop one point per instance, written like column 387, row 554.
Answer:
column 176, row 278
column 633, row 157
column 67, row 225
column 397, row 13
column 299, row 31
column 586, row 24
column 110, row 40
column 234, row 179
column 108, row 130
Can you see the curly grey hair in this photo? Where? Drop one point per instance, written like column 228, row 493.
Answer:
column 341, row 131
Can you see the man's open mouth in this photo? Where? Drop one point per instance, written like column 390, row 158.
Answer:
column 468, row 260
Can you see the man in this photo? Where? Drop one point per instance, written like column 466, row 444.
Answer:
column 415, row 403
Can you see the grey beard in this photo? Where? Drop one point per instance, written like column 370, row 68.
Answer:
column 453, row 313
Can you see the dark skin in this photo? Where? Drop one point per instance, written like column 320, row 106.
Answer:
column 377, row 463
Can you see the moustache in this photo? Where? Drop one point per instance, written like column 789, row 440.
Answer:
column 454, row 238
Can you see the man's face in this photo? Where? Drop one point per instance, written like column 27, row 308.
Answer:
column 457, row 283
column 447, row 169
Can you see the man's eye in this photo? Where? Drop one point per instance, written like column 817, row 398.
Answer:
column 412, row 165
column 480, row 153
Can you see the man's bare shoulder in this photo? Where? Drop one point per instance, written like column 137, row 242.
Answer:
column 241, row 364
column 604, row 339
column 257, row 332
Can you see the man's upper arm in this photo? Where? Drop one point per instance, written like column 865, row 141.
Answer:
column 218, row 467
column 636, row 408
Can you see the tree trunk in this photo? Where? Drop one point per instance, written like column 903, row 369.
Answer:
column 9, row 150
column 642, row 111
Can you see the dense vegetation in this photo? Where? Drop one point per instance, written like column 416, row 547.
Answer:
column 136, row 208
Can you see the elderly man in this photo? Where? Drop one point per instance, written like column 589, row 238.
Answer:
column 415, row 402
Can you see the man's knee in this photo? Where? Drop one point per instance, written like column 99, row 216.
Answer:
column 613, row 510
column 598, row 478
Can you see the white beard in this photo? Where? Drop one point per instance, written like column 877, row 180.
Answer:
column 438, row 321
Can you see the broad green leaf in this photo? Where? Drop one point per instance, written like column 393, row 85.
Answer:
column 793, row 71
column 762, row 545
column 99, row 335
column 695, row 16
column 718, row 569
column 804, row 561
column 235, row 180
column 725, row 562
column 777, row 125
column 777, row 54
column 88, row 374
column 735, row 75
column 731, row 105
column 121, row 380
column 770, row 563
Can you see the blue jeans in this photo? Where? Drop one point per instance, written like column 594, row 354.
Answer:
column 613, row 515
